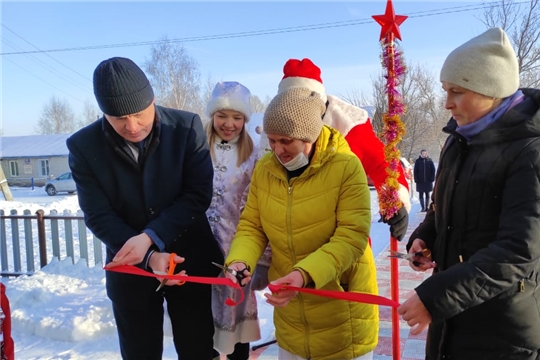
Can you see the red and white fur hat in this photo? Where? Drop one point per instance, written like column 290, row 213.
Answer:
column 339, row 114
column 302, row 73
column 351, row 121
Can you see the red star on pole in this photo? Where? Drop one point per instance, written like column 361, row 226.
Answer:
column 390, row 21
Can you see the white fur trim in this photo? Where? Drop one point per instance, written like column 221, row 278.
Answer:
column 343, row 116
column 405, row 197
column 295, row 81
column 228, row 103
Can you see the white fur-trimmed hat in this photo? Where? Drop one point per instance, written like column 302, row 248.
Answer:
column 486, row 64
column 230, row 95
column 302, row 73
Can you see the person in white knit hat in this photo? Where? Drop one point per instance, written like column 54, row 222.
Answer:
column 483, row 300
column 233, row 156
column 354, row 124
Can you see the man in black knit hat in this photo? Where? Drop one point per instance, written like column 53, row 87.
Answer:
column 144, row 182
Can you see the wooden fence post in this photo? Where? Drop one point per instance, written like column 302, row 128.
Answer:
column 42, row 239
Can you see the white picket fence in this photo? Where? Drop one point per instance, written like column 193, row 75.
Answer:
column 29, row 241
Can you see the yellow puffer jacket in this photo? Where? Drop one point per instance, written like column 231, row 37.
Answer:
column 319, row 223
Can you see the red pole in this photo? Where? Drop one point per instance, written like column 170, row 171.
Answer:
column 390, row 29
column 394, row 265
column 394, row 280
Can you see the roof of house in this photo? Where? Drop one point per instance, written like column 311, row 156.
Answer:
column 33, row 146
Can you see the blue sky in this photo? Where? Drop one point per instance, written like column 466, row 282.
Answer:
column 348, row 55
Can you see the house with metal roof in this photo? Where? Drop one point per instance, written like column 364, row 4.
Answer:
column 33, row 158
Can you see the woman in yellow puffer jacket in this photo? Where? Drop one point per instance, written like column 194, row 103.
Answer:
column 309, row 199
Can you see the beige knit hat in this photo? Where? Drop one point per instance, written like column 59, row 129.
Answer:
column 297, row 113
column 486, row 64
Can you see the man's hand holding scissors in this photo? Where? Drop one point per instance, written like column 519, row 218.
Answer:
column 163, row 264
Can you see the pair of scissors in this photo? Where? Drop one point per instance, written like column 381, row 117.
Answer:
column 163, row 282
column 239, row 275
column 411, row 257
column 172, row 265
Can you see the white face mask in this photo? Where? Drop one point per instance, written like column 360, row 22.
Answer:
column 299, row 161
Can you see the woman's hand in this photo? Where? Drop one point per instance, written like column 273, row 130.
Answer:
column 415, row 314
column 421, row 263
column 238, row 267
column 282, row 298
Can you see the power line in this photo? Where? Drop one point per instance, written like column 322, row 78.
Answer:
column 46, row 82
column 58, row 61
column 418, row 14
column 48, row 67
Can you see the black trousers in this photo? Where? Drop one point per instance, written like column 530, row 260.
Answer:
column 140, row 331
column 424, row 204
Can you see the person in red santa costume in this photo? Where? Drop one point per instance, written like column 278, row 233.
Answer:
column 354, row 124
column 7, row 349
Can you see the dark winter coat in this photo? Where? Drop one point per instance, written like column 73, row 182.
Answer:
column 424, row 174
column 484, row 233
column 169, row 195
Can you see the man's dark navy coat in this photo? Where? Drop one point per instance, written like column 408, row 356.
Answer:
column 168, row 194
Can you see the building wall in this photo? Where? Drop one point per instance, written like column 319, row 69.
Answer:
column 29, row 168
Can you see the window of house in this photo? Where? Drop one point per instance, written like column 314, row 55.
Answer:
column 44, row 167
column 13, row 168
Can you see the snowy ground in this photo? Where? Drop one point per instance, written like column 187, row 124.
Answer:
column 62, row 311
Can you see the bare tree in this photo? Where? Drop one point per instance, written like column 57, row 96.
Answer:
column 380, row 102
column 440, row 117
column 377, row 100
column 57, row 117
column 90, row 113
column 257, row 106
column 354, row 96
column 521, row 21
column 206, row 95
column 424, row 116
column 175, row 77
column 208, row 88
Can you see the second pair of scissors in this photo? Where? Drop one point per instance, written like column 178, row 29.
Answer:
column 411, row 256
column 239, row 275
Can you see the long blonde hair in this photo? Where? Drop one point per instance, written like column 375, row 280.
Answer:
column 245, row 142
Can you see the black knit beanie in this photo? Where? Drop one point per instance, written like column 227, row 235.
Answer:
column 121, row 87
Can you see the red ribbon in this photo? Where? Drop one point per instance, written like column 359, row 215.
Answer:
column 340, row 295
column 133, row 270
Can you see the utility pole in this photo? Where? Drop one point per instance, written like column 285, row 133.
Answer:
column 4, row 186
